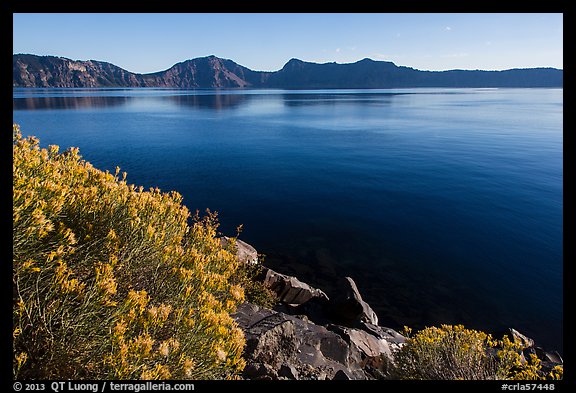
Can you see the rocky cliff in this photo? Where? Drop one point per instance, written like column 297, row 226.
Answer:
column 213, row 72
column 50, row 71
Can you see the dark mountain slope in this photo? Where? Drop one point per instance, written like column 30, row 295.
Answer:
column 214, row 72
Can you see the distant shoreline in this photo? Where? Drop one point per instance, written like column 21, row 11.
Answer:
column 214, row 72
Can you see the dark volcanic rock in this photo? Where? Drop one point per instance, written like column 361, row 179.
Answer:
column 259, row 371
column 341, row 376
column 290, row 290
column 291, row 346
column 288, row 371
column 546, row 356
column 392, row 337
column 376, row 356
column 347, row 306
column 303, row 337
column 518, row 337
column 316, row 310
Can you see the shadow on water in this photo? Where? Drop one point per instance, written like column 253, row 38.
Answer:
column 221, row 101
column 211, row 101
column 216, row 101
column 306, row 99
column 34, row 103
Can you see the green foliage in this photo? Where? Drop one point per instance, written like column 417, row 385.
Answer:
column 453, row 352
column 111, row 281
column 248, row 276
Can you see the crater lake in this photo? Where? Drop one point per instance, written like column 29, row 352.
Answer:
column 444, row 205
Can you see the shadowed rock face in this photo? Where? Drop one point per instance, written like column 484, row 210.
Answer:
column 347, row 306
column 214, row 72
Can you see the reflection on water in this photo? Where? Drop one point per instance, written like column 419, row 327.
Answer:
column 195, row 100
column 211, row 101
column 32, row 103
column 294, row 100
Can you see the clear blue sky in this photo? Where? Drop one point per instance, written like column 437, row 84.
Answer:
column 154, row 42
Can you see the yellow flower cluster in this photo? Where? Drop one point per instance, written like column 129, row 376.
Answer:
column 115, row 282
column 454, row 352
column 64, row 283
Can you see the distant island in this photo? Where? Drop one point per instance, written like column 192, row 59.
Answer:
column 214, row 72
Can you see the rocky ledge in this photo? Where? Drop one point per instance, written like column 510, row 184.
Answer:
column 285, row 343
column 309, row 336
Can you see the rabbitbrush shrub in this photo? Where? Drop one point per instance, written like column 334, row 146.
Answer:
column 452, row 352
column 113, row 282
column 249, row 277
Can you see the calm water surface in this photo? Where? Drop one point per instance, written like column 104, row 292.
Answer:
column 444, row 205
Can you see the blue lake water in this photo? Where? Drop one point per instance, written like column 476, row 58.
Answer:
column 444, row 205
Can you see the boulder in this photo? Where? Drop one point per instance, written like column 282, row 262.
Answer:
column 376, row 356
column 259, row 371
column 244, row 251
column 284, row 346
column 394, row 339
column 553, row 357
column 270, row 338
column 518, row 337
column 347, row 306
column 288, row 371
column 386, row 333
column 367, row 344
column 549, row 360
column 290, row 290
column 303, row 337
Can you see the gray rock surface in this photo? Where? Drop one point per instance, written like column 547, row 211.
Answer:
column 518, row 337
column 291, row 290
column 245, row 252
column 376, row 354
column 278, row 344
column 367, row 344
column 390, row 335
